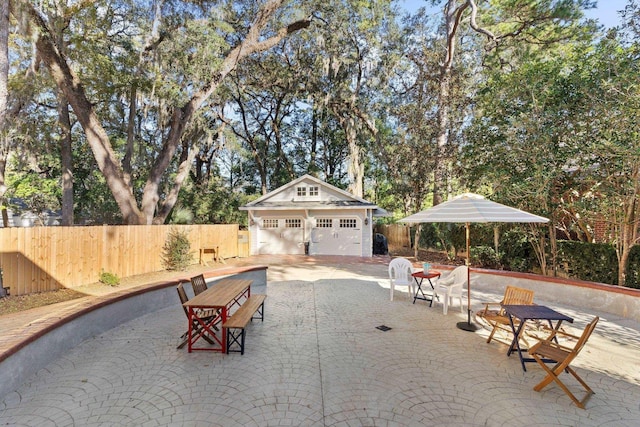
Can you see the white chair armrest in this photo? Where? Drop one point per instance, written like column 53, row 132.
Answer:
column 447, row 280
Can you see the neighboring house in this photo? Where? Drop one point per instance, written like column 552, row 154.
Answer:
column 310, row 216
column 19, row 215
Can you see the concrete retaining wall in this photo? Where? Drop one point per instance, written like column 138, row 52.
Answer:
column 34, row 353
column 624, row 302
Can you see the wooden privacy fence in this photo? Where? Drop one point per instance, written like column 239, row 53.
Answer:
column 397, row 234
column 39, row 259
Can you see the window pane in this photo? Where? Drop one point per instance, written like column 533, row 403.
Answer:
column 348, row 223
column 269, row 223
column 293, row 223
column 324, row 222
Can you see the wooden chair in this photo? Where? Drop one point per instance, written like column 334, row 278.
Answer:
column 562, row 355
column 198, row 284
column 208, row 315
column 494, row 314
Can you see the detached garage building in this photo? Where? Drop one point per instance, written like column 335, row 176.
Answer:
column 310, row 215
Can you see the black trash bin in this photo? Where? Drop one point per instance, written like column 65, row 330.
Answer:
column 380, row 246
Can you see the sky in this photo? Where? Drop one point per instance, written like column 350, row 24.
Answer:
column 606, row 12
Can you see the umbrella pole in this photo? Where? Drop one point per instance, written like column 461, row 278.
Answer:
column 468, row 326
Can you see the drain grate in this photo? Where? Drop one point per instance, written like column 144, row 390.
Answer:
column 383, row 328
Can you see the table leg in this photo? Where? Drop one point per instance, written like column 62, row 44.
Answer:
column 224, row 335
column 190, row 333
column 199, row 327
column 555, row 337
column 419, row 289
column 418, row 284
column 516, row 340
column 433, row 294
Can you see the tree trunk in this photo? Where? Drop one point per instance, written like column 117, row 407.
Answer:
column 440, row 171
column 356, row 168
column 416, row 241
column 623, row 262
column 131, row 134
column 97, row 137
column 628, row 228
column 313, row 168
column 66, row 156
column 66, row 159
column 4, row 101
column 186, row 160
column 453, row 16
column 553, row 249
column 4, row 65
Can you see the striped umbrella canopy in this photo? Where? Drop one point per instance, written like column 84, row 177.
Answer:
column 467, row 208
column 470, row 207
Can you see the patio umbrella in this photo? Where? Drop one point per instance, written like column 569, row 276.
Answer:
column 468, row 208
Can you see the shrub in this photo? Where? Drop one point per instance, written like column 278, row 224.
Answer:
column 177, row 250
column 109, row 278
column 594, row 262
column 633, row 269
column 486, row 257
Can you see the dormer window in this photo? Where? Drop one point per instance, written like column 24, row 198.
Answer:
column 307, row 193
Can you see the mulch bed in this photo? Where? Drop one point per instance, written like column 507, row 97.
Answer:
column 432, row 257
column 14, row 304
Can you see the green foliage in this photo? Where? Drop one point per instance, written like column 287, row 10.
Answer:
column 546, row 120
column 176, row 252
column 593, row 262
column 109, row 278
column 486, row 257
column 40, row 190
column 181, row 215
column 443, row 237
column 210, row 202
column 517, row 252
column 633, row 269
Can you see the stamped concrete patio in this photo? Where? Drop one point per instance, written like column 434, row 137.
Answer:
column 318, row 360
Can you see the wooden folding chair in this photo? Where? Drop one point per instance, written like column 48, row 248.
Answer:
column 495, row 315
column 207, row 315
column 198, row 284
column 563, row 355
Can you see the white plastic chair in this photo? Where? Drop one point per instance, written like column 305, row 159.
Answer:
column 400, row 270
column 451, row 287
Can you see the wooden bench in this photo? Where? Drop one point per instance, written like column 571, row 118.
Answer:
column 215, row 250
column 241, row 318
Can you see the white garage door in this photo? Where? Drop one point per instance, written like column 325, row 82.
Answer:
column 336, row 236
column 279, row 236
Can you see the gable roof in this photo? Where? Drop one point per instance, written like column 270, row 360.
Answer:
column 341, row 200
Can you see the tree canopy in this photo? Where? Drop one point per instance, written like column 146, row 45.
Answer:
column 144, row 112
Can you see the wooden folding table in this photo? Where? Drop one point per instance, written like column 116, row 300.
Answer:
column 530, row 312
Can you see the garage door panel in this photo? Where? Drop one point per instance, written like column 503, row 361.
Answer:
column 334, row 239
column 322, row 241
column 277, row 239
column 349, row 241
column 269, row 241
column 292, row 241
